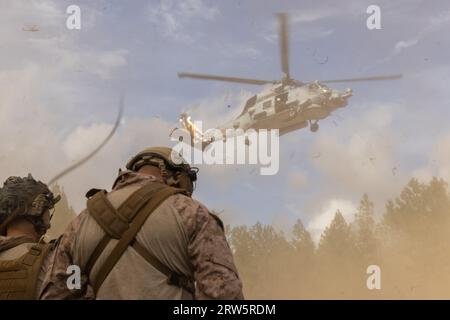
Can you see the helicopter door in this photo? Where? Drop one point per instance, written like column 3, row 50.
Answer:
column 280, row 102
column 248, row 105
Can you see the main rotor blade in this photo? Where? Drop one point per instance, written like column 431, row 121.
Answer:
column 376, row 78
column 86, row 158
column 220, row 78
column 283, row 33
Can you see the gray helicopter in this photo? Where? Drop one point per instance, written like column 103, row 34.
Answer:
column 289, row 105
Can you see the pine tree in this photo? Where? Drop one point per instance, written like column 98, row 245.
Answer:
column 336, row 240
column 302, row 241
column 336, row 259
column 63, row 214
column 301, row 266
column 420, row 209
column 260, row 252
column 366, row 241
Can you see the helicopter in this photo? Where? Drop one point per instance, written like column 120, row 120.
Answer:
column 288, row 105
column 30, row 28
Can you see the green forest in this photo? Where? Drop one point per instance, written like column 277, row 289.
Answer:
column 409, row 240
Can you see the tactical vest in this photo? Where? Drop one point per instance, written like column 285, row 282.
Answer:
column 123, row 224
column 18, row 277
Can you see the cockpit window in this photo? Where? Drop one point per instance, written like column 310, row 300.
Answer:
column 313, row 86
column 316, row 86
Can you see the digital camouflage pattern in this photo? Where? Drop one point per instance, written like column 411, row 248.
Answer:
column 55, row 281
column 215, row 272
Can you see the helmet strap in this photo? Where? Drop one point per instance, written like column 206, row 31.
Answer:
column 162, row 167
column 8, row 220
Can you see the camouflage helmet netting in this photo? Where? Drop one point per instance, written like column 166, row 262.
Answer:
column 27, row 198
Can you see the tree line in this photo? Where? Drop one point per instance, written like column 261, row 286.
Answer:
column 409, row 241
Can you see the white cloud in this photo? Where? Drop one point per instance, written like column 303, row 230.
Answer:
column 405, row 44
column 312, row 15
column 438, row 161
column 25, row 122
column 324, row 217
column 85, row 139
column 304, row 24
column 103, row 63
column 38, row 92
column 173, row 17
column 68, row 58
column 434, row 24
column 441, row 157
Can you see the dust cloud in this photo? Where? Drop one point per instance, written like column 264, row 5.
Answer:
column 410, row 244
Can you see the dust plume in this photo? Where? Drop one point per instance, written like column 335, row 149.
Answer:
column 409, row 244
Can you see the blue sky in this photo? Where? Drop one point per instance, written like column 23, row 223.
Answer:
column 59, row 92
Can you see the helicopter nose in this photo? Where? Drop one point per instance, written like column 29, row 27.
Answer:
column 342, row 95
column 338, row 98
column 348, row 93
column 336, row 95
column 327, row 92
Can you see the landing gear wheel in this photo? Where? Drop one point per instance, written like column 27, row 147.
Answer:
column 314, row 127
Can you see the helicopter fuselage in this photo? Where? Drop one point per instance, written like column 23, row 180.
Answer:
column 286, row 108
column 289, row 108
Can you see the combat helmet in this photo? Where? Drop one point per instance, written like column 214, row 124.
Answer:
column 25, row 198
column 174, row 169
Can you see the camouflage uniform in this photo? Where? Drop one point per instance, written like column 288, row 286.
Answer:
column 181, row 233
column 31, row 200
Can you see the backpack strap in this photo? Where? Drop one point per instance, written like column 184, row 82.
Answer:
column 16, row 242
column 124, row 224
column 172, row 277
column 106, row 215
column 116, row 221
column 96, row 254
column 110, row 219
column 33, row 260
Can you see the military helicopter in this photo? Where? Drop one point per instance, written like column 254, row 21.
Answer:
column 30, row 28
column 289, row 105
